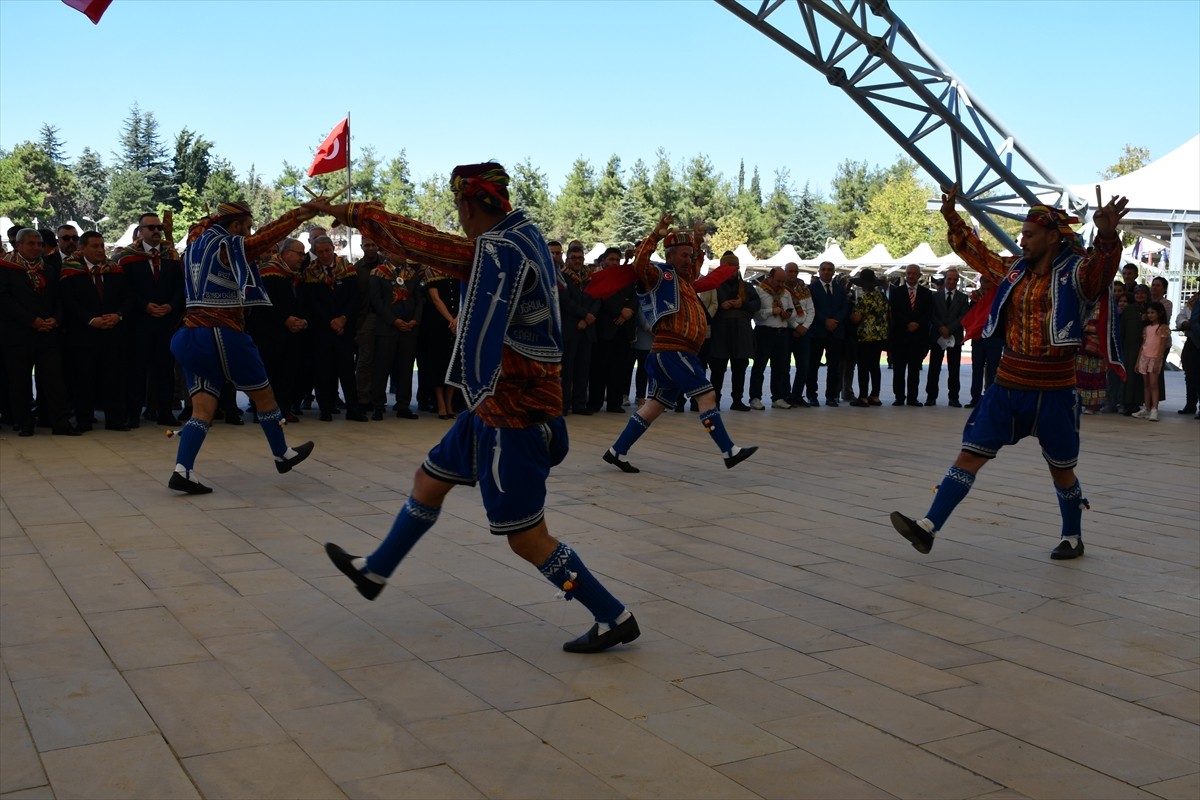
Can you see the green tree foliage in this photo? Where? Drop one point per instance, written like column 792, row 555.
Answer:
column 52, row 145
column 33, row 186
column 129, row 195
column 435, row 203
column 631, row 223
column 665, row 192
column 896, row 217
column 289, row 190
column 364, row 173
column 396, row 188
column 1132, row 159
column 258, row 196
column 853, row 184
column 609, row 191
column 806, row 229
column 192, row 161
column 91, row 186
column 639, row 186
column 142, row 151
column 222, row 185
column 574, row 213
column 705, row 196
column 529, row 190
column 728, row 236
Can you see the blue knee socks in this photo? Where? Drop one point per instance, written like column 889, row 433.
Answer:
column 711, row 420
column 953, row 489
column 1071, row 504
column 633, row 431
column 190, row 440
column 270, row 422
column 411, row 524
column 566, row 570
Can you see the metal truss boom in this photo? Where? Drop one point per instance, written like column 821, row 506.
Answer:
column 865, row 50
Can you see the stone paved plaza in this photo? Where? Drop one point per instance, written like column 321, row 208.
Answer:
column 162, row 646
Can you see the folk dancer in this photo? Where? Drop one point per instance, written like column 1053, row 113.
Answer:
column 1044, row 298
column 221, row 281
column 506, row 357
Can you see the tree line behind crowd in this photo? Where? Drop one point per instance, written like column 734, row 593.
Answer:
column 612, row 203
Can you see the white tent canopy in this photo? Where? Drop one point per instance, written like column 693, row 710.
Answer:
column 786, row 255
column 833, row 254
column 745, row 257
column 597, row 251
column 921, row 254
column 877, row 256
column 127, row 237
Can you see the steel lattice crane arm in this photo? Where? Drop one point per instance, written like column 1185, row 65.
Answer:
column 868, row 52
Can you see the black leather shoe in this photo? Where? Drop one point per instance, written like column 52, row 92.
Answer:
column 115, row 426
column 326, row 417
column 405, row 413
column 133, row 422
column 915, row 403
column 920, row 538
column 615, row 410
column 624, row 466
column 377, row 415
column 738, row 405
column 303, row 451
column 897, row 402
column 1186, row 410
column 66, row 430
column 356, row 416
column 595, row 642
column 1065, row 551
column 971, row 404
column 583, row 411
column 800, row 402
column 931, row 402
column 858, row 403
column 345, row 562
column 954, row 404
column 740, row 456
column 832, row 402
column 26, row 430
column 234, row 419
column 182, row 484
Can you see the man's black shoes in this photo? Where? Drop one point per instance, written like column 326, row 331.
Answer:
column 740, row 456
column 619, row 463
column 187, row 485
column 920, row 538
column 1065, row 550
column 303, row 451
column 594, row 641
column 345, row 562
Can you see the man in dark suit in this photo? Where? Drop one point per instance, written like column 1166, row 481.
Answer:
column 331, row 294
column 949, row 308
column 31, row 318
column 912, row 311
column 154, row 279
column 578, row 312
column 612, row 351
column 827, row 333
column 98, row 305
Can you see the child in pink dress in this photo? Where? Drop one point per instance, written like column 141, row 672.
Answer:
column 1156, row 338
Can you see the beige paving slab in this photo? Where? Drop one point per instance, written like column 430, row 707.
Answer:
column 506, row 682
column 80, row 708
column 434, row 783
column 22, row 768
column 629, row 691
column 624, row 755
column 1028, row 769
column 503, row 759
column 889, row 669
column 200, row 709
column 145, row 637
column 410, row 691
column 712, row 735
column 240, row 773
column 66, row 656
column 799, row 775
column 37, row 793
column 278, row 672
column 209, row 610
column 1184, row 788
column 747, row 696
column 899, row 768
column 141, row 766
column 355, row 740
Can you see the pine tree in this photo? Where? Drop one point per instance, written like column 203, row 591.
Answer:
column 91, row 186
column 396, row 187
column 528, row 190
column 142, row 151
column 610, row 189
column 665, row 191
column 129, row 196
column 574, row 216
column 435, row 204
column 631, row 223
column 806, row 229
column 53, row 146
column 191, row 163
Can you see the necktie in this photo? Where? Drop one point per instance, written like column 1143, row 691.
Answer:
column 912, row 297
column 154, row 262
column 98, row 279
column 828, row 290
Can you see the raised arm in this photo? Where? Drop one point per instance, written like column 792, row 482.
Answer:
column 1100, row 265
column 969, row 247
column 444, row 252
column 271, row 234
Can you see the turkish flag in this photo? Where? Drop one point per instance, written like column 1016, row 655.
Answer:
column 94, row 9
column 334, row 152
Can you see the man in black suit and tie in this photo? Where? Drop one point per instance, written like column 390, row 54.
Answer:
column 912, row 311
column 154, row 278
column 827, row 333
column 949, row 308
column 31, row 320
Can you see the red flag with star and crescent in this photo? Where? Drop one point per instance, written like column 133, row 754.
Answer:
column 94, row 9
column 333, row 154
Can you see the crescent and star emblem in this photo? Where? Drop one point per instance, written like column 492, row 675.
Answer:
column 337, row 148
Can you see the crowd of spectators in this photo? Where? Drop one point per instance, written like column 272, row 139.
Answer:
column 95, row 326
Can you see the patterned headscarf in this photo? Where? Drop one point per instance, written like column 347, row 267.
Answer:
column 1058, row 219
column 228, row 211
column 486, row 183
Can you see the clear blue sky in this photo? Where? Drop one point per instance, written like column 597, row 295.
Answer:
column 457, row 81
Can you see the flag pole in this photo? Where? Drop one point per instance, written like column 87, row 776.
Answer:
column 349, row 190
